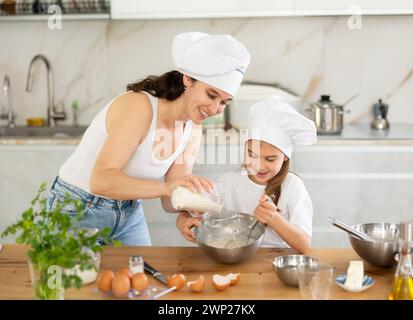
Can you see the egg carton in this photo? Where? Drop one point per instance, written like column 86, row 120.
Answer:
column 149, row 293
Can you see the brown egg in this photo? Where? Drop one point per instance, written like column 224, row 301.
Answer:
column 105, row 281
column 125, row 271
column 139, row 281
column 176, row 280
column 120, row 285
column 197, row 285
column 221, row 282
column 234, row 277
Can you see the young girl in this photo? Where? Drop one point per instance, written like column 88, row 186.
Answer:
column 264, row 186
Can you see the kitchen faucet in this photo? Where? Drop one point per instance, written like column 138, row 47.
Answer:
column 52, row 114
column 9, row 115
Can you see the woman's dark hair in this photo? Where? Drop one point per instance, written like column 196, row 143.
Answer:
column 169, row 86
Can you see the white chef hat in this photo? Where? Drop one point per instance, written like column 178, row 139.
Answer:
column 279, row 124
column 218, row 60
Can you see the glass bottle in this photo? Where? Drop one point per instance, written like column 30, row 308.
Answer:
column 75, row 109
column 8, row 6
column 402, row 288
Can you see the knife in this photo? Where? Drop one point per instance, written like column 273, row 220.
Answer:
column 155, row 273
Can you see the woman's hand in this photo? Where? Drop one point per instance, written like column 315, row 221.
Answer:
column 196, row 213
column 266, row 210
column 185, row 223
column 193, row 183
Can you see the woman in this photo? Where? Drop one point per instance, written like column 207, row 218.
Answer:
column 274, row 128
column 150, row 132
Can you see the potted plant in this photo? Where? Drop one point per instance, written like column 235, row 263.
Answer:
column 57, row 251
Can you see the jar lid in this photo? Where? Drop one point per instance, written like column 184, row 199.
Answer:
column 325, row 98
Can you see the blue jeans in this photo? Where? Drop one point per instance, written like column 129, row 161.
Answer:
column 125, row 218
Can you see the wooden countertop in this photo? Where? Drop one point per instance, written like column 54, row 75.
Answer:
column 258, row 280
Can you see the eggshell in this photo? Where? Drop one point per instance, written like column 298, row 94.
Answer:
column 120, row 285
column 221, row 282
column 139, row 281
column 234, row 277
column 125, row 271
column 197, row 285
column 105, row 281
column 176, row 280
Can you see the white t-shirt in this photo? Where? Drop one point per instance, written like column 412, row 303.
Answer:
column 242, row 195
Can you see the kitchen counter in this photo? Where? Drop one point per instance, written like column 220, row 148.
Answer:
column 397, row 133
column 364, row 132
column 360, row 134
column 258, row 280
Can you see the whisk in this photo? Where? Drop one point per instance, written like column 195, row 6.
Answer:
column 254, row 224
column 250, row 227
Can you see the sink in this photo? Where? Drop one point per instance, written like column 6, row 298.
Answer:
column 43, row 132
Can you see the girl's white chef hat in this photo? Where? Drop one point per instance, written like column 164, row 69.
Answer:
column 218, row 60
column 279, row 124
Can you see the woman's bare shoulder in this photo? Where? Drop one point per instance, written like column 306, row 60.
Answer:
column 134, row 102
column 131, row 107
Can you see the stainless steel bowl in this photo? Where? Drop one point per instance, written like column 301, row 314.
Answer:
column 382, row 250
column 205, row 235
column 286, row 267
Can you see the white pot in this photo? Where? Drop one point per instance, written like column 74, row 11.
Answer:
column 249, row 94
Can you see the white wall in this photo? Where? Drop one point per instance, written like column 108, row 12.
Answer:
column 93, row 61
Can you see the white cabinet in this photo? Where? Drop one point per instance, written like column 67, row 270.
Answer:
column 178, row 9
column 357, row 184
column 351, row 7
column 22, row 169
column 162, row 9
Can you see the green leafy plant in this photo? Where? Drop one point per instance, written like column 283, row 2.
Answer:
column 53, row 241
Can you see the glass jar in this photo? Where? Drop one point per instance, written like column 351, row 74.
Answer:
column 402, row 288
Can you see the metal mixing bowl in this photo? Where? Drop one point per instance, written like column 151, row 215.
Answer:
column 286, row 267
column 382, row 250
column 218, row 230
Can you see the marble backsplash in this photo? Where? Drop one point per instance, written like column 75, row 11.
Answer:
column 94, row 60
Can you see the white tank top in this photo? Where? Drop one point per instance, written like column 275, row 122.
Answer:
column 77, row 169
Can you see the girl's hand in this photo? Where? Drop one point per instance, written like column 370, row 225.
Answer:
column 266, row 210
column 193, row 183
column 186, row 226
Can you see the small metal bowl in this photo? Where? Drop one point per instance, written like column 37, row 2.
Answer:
column 286, row 267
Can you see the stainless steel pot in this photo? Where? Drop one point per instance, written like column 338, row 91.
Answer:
column 328, row 116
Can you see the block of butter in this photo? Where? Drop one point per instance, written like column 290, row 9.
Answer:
column 355, row 275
